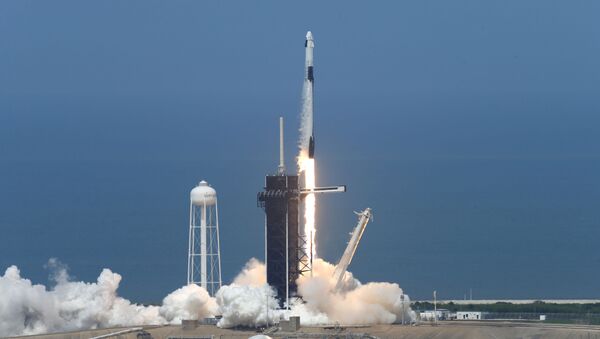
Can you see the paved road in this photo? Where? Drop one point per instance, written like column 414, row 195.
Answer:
column 444, row 330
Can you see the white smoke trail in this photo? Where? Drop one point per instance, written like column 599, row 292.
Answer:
column 306, row 169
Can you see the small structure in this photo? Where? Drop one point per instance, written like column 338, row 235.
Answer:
column 430, row 315
column 291, row 325
column 189, row 324
column 469, row 315
column 426, row 315
column 209, row 321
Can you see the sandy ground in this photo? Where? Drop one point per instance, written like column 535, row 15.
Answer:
column 450, row 329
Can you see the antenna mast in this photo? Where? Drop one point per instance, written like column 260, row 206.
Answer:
column 281, row 168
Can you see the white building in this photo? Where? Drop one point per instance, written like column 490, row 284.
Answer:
column 469, row 315
column 442, row 314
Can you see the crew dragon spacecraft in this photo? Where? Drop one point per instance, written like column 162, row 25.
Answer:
column 309, row 78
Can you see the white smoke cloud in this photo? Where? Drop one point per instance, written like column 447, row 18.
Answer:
column 354, row 303
column 248, row 301
column 248, row 306
column 253, row 274
column 244, row 303
column 188, row 302
column 26, row 308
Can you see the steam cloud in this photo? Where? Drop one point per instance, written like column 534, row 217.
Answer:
column 26, row 308
column 72, row 305
column 355, row 303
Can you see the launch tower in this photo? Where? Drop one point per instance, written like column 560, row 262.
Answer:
column 285, row 257
column 280, row 200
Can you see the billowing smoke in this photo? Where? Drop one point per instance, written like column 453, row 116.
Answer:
column 248, row 301
column 26, row 308
column 322, row 303
column 354, row 303
column 253, row 274
column 188, row 302
column 248, row 306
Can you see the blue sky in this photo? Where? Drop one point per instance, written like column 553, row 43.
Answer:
column 471, row 128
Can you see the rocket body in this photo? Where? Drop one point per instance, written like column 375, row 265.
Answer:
column 309, row 79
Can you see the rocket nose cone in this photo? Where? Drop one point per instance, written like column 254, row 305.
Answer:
column 309, row 35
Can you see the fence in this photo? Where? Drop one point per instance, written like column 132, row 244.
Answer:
column 569, row 318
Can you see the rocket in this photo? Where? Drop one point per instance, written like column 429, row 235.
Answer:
column 309, row 79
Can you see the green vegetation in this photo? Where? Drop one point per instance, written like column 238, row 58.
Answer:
column 503, row 307
column 582, row 321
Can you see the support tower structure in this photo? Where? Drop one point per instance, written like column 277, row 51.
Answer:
column 280, row 200
column 285, row 256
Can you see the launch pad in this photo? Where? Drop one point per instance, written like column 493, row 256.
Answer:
column 444, row 329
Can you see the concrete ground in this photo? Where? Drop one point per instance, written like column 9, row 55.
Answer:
column 447, row 329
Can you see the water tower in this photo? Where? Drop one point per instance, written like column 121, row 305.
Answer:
column 204, row 256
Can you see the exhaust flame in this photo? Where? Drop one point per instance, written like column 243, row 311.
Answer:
column 307, row 167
